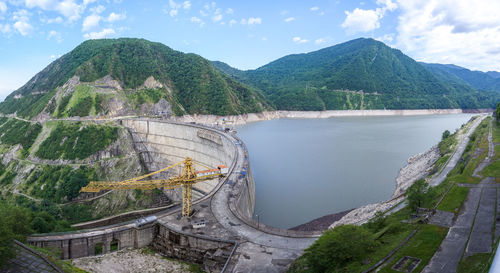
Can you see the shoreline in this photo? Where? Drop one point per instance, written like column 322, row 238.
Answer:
column 270, row 115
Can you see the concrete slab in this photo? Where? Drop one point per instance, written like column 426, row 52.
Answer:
column 446, row 259
column 480, row 240
column 442, row 218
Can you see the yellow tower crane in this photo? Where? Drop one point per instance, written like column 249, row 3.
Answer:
column 186, row 179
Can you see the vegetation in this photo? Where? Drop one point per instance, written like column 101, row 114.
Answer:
column 338, row 247
column 53, row 255
column 475, row 152
column 29, row 105
column 59, row 183
column 15, row 131
column 76, row 140
column 18, row 221
column 422, row 245
column 418, row 194
column 477, row 263
column 456, row 74
column 454, row 199
column 321, row 80
column 195, row 84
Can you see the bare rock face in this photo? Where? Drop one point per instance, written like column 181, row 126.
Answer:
column 116, row 107
column 69, row 86
column 10, row 154
column 151, row 83
column 162, row 108
column 108, row 82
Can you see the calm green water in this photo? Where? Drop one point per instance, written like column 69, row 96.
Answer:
column 308, row 168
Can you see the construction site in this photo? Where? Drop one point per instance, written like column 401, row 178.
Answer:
column 207, row 169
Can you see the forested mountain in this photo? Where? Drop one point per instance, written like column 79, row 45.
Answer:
column 359, row 74
column 186, row 81
column 488, row 81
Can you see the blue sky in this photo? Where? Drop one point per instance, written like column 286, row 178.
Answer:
column 247, row 34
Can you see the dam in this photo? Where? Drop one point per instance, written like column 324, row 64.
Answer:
column 228, row 240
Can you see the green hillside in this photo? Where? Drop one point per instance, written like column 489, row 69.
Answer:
column 359, row 74
column 488, row 81
column 191, row 84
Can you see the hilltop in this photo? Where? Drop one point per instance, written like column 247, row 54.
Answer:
column 131, row 76
column 358, row 74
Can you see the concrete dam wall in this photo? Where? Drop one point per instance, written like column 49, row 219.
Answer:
column 227, row 208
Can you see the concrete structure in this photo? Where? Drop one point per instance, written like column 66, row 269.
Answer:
column 227, row 208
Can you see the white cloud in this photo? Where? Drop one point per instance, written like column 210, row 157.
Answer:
column 5, row 28
column 186, row 5
column 217, row 18
column 386, row 38
column 195, row 19
column 52, row 56
column 364, row 20
column 314, row 8
column 232, row 22
column 99, row 35
column 466, row 33
column 289, row 19
column 173, row 4
column 116, row 17
column 56, row 20
column 256, row 21
column 319, row 41
column 23, row 27
column 229, row 11
column 361, row 20
column 173, row 12
column 299, row 40
column 68, row 8
column 98, row 9
column 22, row 24
column 387, row 4
column 55, row 35
column 3, row 7
column 90, row 22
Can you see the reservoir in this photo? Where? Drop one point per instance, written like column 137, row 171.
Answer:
column 308, row 168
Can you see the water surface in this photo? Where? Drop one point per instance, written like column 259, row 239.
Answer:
column 308, row 168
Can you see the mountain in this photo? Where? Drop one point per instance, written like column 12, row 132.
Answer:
column 488, row 81
column 127, row 76
column 358, row 74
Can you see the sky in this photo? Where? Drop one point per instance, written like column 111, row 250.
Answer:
column 248, row 34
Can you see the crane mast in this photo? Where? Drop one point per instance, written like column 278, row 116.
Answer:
column 185, row 180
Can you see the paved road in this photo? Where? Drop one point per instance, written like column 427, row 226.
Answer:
column 452, row 162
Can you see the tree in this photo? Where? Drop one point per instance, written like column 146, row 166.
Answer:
column 418, row 194
column 497, row 113
column 14, row 224
column 338, row 247
column 445, row 135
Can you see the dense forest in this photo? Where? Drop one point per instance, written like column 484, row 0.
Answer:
column 195, row 83
column 364, row 70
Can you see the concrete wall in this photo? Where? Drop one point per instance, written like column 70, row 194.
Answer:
column 175, row 142
column 76, row 245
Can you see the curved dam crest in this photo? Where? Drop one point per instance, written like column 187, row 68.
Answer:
column 226, row 209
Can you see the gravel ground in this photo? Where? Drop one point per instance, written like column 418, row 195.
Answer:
column 130, row 261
